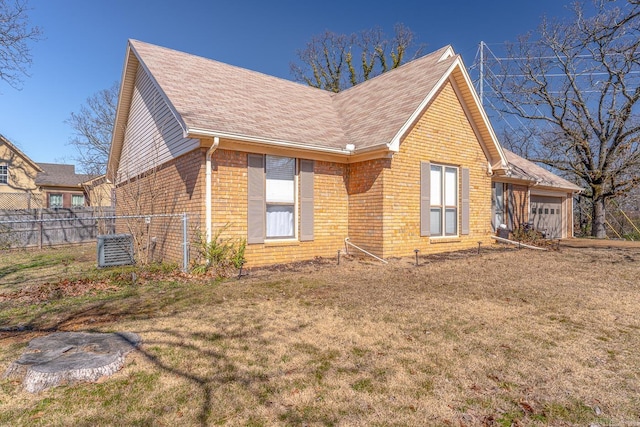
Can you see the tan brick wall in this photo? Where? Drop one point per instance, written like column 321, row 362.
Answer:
column 174, row 188
column 444, row 136
column 366, row 195
column 330, row 210
column 21, row 175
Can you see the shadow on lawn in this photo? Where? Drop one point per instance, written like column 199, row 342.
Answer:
column 101, row 314
column 38, row 262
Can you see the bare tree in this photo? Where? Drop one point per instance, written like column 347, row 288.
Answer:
column 330, row 60
column 93, row 125
column 15, row 37
column 576, row 85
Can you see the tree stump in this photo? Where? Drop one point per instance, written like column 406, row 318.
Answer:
column 70, row 357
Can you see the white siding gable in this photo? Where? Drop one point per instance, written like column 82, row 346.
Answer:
column 152, row 136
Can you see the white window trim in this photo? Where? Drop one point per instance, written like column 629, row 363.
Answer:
column 294, row 238
column 6, row 165
column 61, row 200
column 444, row 206
column 84, row 200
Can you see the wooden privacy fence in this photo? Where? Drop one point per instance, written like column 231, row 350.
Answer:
column 24, row 228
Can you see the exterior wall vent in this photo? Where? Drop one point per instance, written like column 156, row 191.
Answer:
column 115, row 249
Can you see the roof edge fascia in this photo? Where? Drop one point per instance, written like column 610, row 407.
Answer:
column 457, row 63
column 115, row 150
column 483, row 113
column 117, row 145
column 448, row 53
column 543, row 187
column 348, row 156
column 206, row 133
column 28, row 159
column 533, row 183
column 394, row 144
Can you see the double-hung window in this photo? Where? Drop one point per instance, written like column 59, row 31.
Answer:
column 4, row 174
column 444, row 201
column 77, row 200
column 280, row 197
column 55, row 200
column 441, row 207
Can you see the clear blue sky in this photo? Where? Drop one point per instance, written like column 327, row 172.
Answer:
column 85, row 41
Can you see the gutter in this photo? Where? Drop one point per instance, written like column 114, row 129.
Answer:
column 195, row 133
column 207, row 192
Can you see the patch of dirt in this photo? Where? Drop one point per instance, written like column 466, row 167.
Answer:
column 315, row 263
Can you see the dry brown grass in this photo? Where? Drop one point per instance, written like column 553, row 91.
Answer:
column 507, row 337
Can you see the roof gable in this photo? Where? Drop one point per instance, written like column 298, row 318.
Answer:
column 16, row 150
column 374, row 111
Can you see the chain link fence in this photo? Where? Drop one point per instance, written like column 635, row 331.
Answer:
column 155, row 237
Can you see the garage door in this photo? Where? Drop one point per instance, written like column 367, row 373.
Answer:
column 546, row 214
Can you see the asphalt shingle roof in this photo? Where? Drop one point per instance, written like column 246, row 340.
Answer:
column 55, row 174
column 522, row 168
column 374, row 111
column 210, row 95
column 219, row 97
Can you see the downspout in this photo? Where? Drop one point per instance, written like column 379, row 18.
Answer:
column 207, row 191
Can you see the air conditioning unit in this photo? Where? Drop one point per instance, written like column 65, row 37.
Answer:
column 115, row 249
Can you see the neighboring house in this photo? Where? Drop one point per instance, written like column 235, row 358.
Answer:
column 25, row 184
column 17, row 178
column 401, row 162
column 62, row 186
column 528, row 193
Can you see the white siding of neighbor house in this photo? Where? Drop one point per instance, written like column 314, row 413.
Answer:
column 153, row 135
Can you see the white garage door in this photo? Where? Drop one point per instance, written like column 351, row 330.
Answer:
column 546, row 214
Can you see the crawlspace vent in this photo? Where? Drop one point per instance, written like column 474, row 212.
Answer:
column 115, row 249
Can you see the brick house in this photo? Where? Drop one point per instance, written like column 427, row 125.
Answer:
column 403, row 161
column 61, row 186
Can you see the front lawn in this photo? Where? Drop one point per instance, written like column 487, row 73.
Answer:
column 508, row 337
